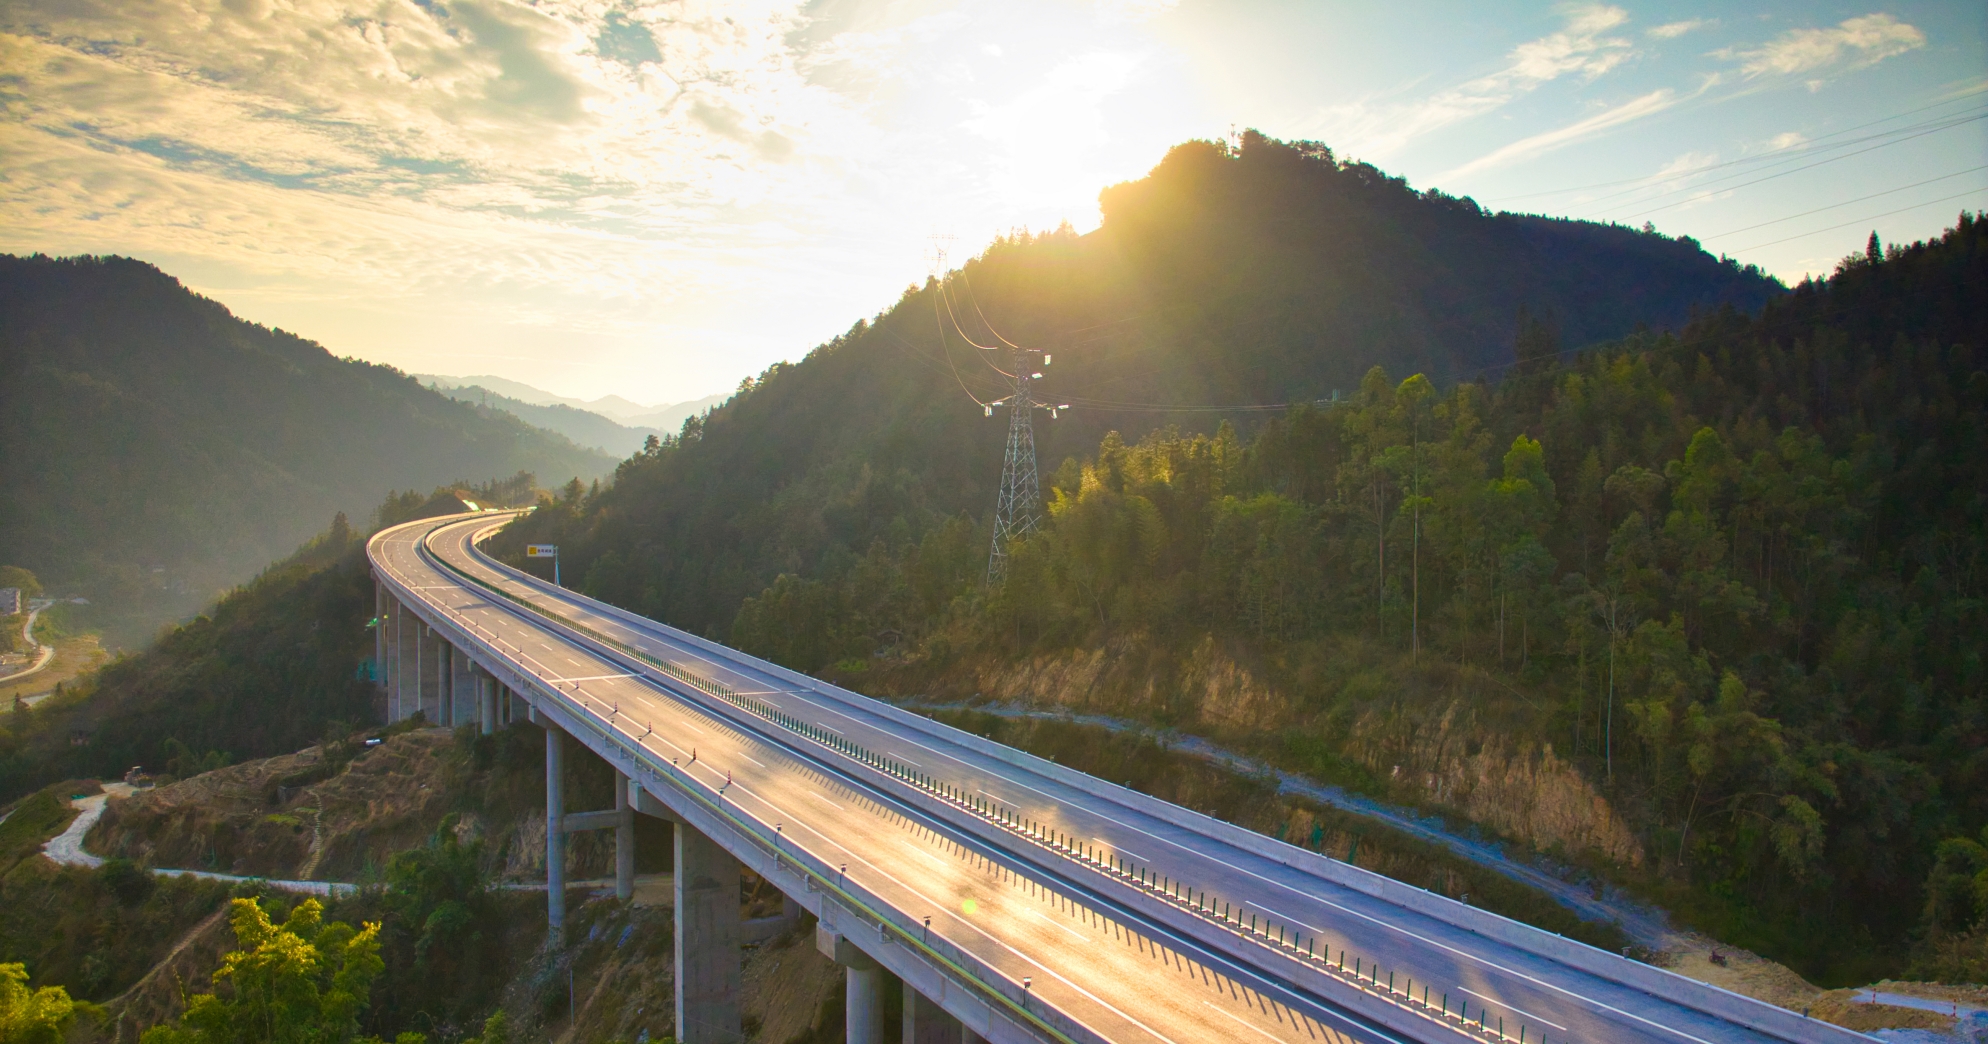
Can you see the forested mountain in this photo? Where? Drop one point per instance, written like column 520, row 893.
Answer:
column 160, row 450
column 1263, row 274
column 1700, row 608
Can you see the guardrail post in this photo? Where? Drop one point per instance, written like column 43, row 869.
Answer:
column 555, row 834
column 708, row 970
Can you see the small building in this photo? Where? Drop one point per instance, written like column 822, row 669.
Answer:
column 10, row 601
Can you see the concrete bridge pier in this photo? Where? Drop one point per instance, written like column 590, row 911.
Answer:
column 624, row 839
column 435, row 681
column 486, row 699
column 555, row 831
column 863, row 986
column 463, row 688
column 708, row 965
column 379, row 636
column 406, row 637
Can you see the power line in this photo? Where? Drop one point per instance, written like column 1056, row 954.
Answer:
column 1762, row 158
column 1845, row 203
column 1796, row 170
column 1861, row 220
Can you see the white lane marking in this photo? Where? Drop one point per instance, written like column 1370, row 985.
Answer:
column 594, row 677
column 761, row 764
column 689, row 726
column 1046, row 919
column 1052, row 973
column 990, row 937
column 996, row 797
column 1522, row 1011
column 1121, row 848
column 1287, row 917
column 906, row 760
column 830, row 728
column 1191, row 852
column 823, row 800
column 1240, row 1022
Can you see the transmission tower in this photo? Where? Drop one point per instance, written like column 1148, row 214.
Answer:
column 1019, row 507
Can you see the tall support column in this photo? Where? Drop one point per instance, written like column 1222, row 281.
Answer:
column 421, row 659
column 399, row 646
column 863, row 986
column 707, row 941
column 864, row 992
column 486, row 703
column 462, row 688
column 379, row 635
column 927, row 1023
column 555, row 834
column 445, row 680
column 624, row 840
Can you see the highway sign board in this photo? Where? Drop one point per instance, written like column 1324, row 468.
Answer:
column 541, row 550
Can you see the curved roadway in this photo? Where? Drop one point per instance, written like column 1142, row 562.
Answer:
column 1069, row 914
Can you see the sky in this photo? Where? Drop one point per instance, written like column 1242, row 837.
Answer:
column 657, row 199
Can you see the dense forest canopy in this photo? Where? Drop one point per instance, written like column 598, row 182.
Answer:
column 1729, row 575
column 177, row 449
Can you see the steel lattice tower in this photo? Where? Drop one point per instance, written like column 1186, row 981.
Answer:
column 1019, row 508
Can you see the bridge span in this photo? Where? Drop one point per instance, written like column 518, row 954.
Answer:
column 1017, row 900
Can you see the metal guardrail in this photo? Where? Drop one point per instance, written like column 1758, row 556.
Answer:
column 821, row 878
column 1366, row 975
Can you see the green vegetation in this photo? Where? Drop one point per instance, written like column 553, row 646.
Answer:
column 299, row 982
column 28, row 1016
column 177, row 448
column 1728, row 578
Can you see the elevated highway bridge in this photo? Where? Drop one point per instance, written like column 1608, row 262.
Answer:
column 1016, row 899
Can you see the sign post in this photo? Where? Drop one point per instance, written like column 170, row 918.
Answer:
column 546, row 551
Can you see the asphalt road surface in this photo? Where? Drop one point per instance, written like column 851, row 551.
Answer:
column 1024, row 908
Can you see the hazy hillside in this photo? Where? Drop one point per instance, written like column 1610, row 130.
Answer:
column 160, row 450
column 583, row 427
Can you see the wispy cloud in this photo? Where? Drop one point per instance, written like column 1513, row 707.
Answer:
column 1583, row 49
column 1526, row 148
column 1855, row 43
column 1673, row 30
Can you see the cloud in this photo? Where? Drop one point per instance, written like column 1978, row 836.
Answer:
column 1608, row 119
column 1582, row 49
column 1856, row 42
column 1673, row 30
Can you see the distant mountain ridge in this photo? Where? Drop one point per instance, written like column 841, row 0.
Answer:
column 584, row 427
column 160, row 450
column 665, row 417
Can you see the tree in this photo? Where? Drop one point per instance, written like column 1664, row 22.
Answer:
column 300, row 982
column 32, row 1016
